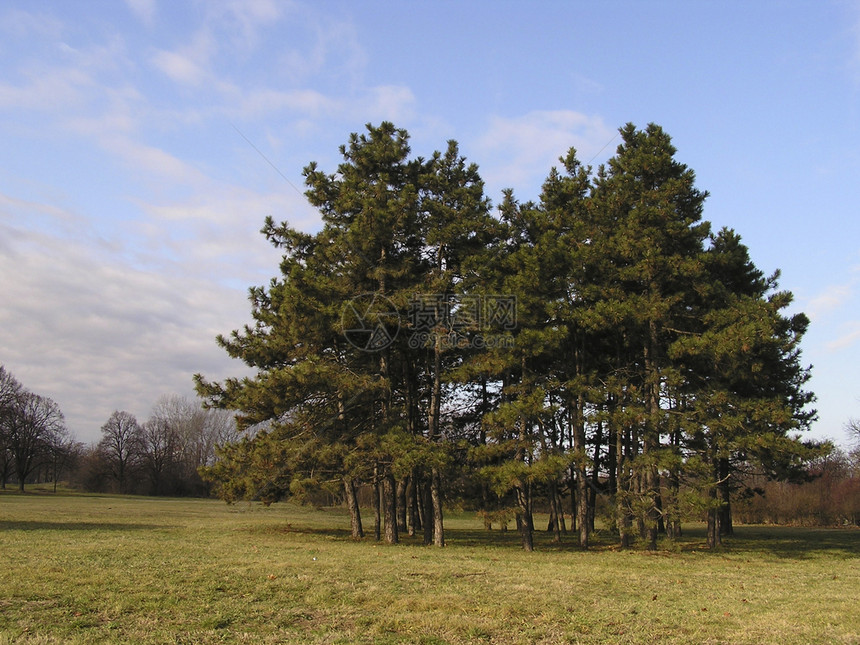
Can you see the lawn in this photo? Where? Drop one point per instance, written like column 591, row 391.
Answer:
column 89, row 569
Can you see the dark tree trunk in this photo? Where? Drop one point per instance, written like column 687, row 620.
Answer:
column 556, row 512
column 611, row 458
column 402, row 506
column 725, row 497
column 673, row 528
column 595, row 476
column 413, row 521
column 525, row 522
column 377, row 516
column 436, row 499
column 352, row 505
column 389, row 488
column 714, row 539
column 623, row 480
column 579, row 449
column 427, row 515
column 651, row 438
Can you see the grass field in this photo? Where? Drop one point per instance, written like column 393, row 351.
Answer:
column 89, row 569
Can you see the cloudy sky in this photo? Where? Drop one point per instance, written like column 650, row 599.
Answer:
column 144, row 142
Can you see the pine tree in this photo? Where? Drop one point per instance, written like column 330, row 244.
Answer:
column 746, row 396
column 651, row 237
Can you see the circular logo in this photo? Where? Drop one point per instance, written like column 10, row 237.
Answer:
column 370, row 322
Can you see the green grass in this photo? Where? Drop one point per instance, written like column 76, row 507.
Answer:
column 90, row 569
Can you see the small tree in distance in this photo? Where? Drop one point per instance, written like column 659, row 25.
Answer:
column 120, row 445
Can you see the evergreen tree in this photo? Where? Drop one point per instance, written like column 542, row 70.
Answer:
column 648, row 354
column 651, row 237
column 746, row 395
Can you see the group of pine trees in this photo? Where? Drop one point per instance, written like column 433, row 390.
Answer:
column 601, row 346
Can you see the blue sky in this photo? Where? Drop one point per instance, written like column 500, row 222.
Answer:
column 130, row 201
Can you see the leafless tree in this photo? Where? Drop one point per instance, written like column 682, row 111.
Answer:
column 62, row 454
column 185, row 436
column 120, row 446
column 35, row 423
column 159, row 450
column 852, row 427
column 10, row 391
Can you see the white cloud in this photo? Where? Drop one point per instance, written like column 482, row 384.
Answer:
column 521, row 150
column 48, row 90
column 180, row 68
column 850, row 336
column 261, row 102
column 25, row 24
column 831, row 298
column 144, row 10
column 242, row 19
column 83, row 323
column 153, row 161
column 390, row 102
column 335, row 50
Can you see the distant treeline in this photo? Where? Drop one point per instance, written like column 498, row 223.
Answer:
column 35, row 444
column 163, row 456
column 160, row 456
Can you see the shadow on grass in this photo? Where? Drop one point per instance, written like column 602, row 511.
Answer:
column 796, row 542
column 11, row 525
column 779, row 541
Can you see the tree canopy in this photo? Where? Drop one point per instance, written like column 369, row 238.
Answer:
column 599, row 344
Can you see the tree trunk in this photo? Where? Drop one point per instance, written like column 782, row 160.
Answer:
column 714, row 539
column 377, row 517
column 725, row 497
column 525, row 522
column 623, row 483
column 352, row 505
column 559, row 504
column 595, row 476
column 673, row 529
column 427, row 515
column 436, row 499
column 651, row 437
column 401, row 506
column 389, row 488
column 580, row 454
column 412, row 519
column 556, row 513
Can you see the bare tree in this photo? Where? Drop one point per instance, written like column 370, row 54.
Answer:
column 852, row 427
column 36, row 421
column 192, row 434
column 10, row 391
column 62, row 454
column 159, row 448
column 221, row 424
column 120, row 446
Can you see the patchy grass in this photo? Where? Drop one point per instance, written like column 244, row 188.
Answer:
column 89, row 569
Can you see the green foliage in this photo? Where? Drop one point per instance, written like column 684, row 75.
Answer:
column 649, row 353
